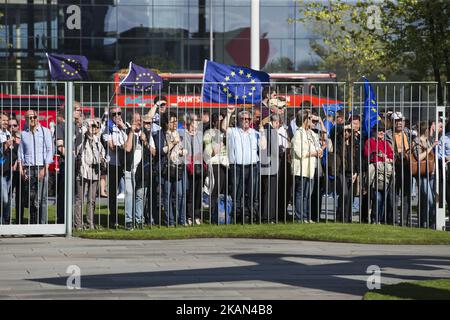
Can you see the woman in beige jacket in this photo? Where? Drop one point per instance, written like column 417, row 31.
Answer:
column 305, row 151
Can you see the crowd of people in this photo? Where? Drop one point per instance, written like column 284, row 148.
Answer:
column 263, row 159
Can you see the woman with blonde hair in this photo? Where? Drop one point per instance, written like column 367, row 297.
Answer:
column 305, row 153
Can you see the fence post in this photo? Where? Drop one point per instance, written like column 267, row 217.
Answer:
column 69, row 166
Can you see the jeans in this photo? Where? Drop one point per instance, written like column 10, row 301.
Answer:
column 378, row 206
column 194, row 195
column 6, row 199
column 269, row 198
column 115, row 175
column 134, row 199
column 303, row 191
column 37, row 195
column 401, row 187
column 173, row 198
column 345, row 206
column 60, row 211
column 153, row 199
column 220, row 187
column 17, row 187
column 427, row 201
column 243, row 193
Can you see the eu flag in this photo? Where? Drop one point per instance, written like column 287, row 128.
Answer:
column 65, row 67
column 141, row 79
column 331, row 109
column 371, row 116
column 232, row 84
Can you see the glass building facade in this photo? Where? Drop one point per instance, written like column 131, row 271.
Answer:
column 169, row 35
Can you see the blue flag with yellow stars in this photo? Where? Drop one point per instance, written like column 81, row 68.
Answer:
column 232, row 84
column 65, row 67
column 141, row 79
column 370, row 117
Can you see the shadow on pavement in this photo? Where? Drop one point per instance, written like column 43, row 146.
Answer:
column 330, row 273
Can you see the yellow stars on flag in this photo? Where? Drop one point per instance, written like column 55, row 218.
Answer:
column 243, row 92
column 143, row 75
column 76, row 67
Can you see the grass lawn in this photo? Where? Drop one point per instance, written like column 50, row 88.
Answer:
column 419, row 290
column 334, row 232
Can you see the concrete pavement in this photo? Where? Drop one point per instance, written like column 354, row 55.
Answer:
column 207, row 268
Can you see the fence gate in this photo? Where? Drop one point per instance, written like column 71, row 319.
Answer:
column 32, row 195
column 129, row 182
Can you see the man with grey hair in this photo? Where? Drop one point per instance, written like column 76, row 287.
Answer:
column 400, row 139
column 35, row 154
column 243, row 144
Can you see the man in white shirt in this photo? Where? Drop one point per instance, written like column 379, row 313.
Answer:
column 243, row 143
column 35, row 154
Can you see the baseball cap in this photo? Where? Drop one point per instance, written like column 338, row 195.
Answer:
column 398, row 116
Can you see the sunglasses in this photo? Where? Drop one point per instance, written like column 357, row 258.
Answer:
column 32, row 117
column 147, row 122
column 13, row 125
column 94, row 126
column 116, row 114
column 247, row 119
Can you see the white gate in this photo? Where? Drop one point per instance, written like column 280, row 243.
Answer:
column 32, row 193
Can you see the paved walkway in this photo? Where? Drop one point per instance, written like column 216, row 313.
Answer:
column 207, row 268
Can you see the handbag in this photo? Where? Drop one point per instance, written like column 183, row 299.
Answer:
column 424, row 167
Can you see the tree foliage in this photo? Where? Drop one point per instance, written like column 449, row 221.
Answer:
column 411, row 37
column 347, row 41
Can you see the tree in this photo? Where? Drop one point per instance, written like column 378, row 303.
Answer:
column 411, row 37
column 347, row 41
column 421, row 28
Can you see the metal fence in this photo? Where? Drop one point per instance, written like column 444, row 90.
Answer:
column 133, row 160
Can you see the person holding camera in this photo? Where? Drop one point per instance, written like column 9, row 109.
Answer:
column 134, row 175
column 114, row 135
column 90, row 160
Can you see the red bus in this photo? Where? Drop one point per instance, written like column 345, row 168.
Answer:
column 297, row 88
column 46, row 106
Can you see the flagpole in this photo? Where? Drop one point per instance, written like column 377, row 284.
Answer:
column 211, row 33
column 254, row 36
column 203, row 80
